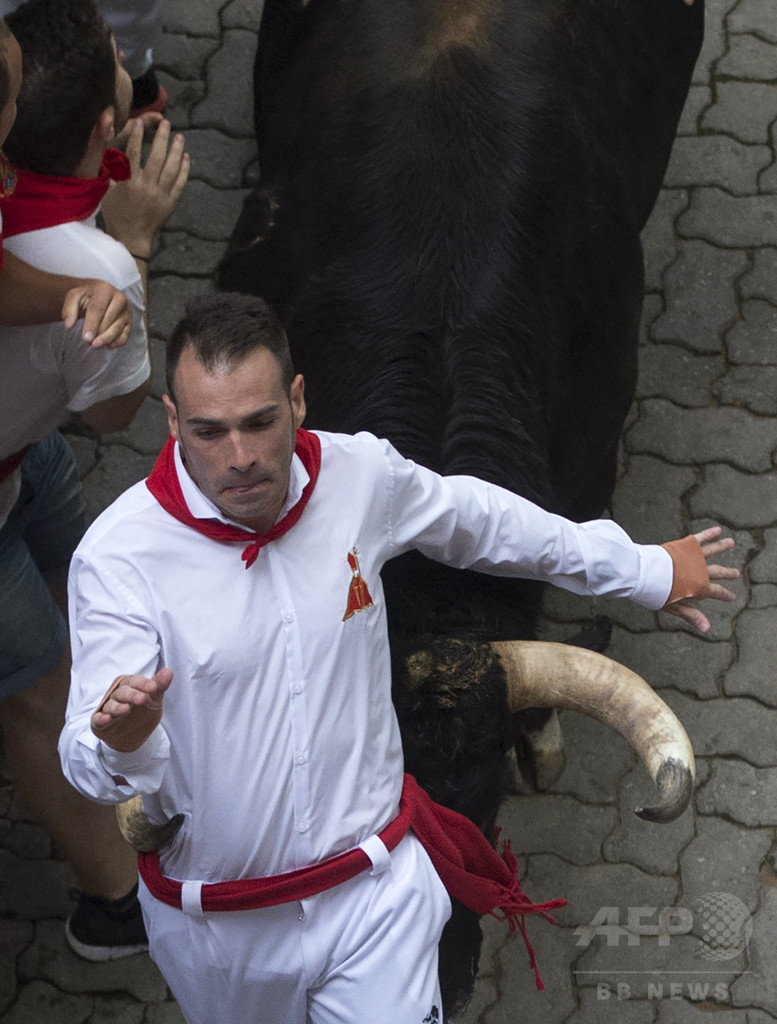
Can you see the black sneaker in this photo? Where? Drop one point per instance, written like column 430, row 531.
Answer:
column 102, row 929
column 148, row 95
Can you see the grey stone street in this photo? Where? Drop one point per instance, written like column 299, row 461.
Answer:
column 665, row 924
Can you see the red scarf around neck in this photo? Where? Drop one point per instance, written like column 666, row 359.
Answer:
column 44, row 200
column 164, row 485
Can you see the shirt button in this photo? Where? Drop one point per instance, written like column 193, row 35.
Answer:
column 296, row 688
column 302, row 826
column 289, row 617
column 301, row 759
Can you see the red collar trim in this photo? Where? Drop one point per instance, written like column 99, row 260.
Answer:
column 164, row 484
column 36, row 201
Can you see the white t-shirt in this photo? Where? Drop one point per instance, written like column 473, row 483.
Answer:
column 279, row 740
column 48, row 371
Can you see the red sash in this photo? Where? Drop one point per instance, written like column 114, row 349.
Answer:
column 468, row 865
column 164, row 485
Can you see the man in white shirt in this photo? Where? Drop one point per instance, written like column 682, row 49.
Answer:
column 251, row 676
column 73, row 100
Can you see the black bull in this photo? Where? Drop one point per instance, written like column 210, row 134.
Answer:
column 448, row 222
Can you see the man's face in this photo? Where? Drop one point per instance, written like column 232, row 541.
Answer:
column 236, row 428
column 13, row 56
column 123, row 99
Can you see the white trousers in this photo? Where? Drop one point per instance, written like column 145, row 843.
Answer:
column 363, row 951
column 135, row 23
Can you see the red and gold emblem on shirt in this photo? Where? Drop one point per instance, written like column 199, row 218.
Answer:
column 358, row 594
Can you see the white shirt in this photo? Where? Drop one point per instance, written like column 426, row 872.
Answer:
column 49, row 371
column 279, row 740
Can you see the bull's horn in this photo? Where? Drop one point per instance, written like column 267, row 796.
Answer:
column 138, row 830
column 557, row 675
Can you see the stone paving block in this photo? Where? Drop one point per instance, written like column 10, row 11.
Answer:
column 754, row 16
column 518, row 996
column 242, row 14
column 763, row 596
column 758, row 987
column 192, row 17
column 589, row 888
column 223, row 205
column 688, row 436
column 728, row 726
column 85, row 450
column 672, row 1011
column 229, row 101
column 117, row 1011
column 184, row 57
column 700, row 295
column 751, row 387
column 681, row 659
column 698, row 99
column 738, row 790
column 659, row 244
column 730, row 220
column 182, row 96
column 50, row 957
column 677, row 374
column 550, row 823
column 596, row 758
column 652, row 306
column 647, row 502
column 753, row 339
column 40, row 1001
column 749, row 58
column 606, row 1008
column 148, row 431
column 742, row 109
column 168, row 296
column 647, row 970
column 755, row 673
column 118, row 469
column 737, row 499
column 15, row 936
column 763, row 568
column 652, row 847
column 28, row 840
column 716, row 160
column 34, row 889
column 723, row 858
column 715, row 41
column 217, row 158
column 760, row 282
column 183, row 255
column 571, row 612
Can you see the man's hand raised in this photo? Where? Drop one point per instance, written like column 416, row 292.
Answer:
column 131, row 710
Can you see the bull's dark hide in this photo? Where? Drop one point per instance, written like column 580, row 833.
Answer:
column 448, row 220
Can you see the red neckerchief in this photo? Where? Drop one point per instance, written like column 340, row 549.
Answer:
column 164, row 485
column 44, row 200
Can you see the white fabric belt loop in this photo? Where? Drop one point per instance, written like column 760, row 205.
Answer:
column 378, row 853
column 191, row 899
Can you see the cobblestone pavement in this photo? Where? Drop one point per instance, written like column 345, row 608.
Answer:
column 699, row 447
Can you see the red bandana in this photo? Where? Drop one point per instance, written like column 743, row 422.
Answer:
column 164, row 485
column 44, row 200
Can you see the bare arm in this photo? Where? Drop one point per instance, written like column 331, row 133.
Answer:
column 31, row 296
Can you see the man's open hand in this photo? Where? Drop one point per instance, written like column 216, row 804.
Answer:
column 711, row 544
column 131, row 710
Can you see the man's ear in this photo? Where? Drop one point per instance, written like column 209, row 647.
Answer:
column 297, row 396
column 104, row 131
column 172, row 416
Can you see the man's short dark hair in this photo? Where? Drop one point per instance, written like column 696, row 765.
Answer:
column 5, row 78
column 225, row 328
column 68, row 80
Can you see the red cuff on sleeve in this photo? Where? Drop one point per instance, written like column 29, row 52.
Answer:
column 691, row 577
